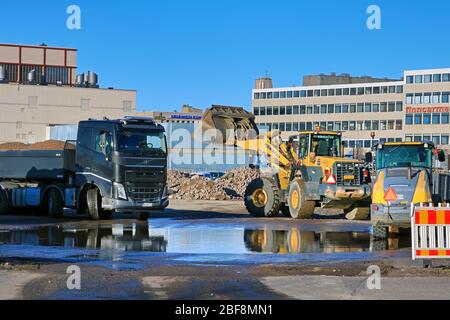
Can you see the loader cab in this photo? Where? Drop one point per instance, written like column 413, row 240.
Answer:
column 406, row 155
column 319, row 144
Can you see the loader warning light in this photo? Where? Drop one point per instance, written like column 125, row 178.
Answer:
column 391, row 195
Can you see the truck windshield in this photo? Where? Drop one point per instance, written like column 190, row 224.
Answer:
column 404, row 156
column 142, row 142
column 326, row 145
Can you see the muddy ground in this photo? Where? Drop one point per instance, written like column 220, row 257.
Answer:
column 208, row 250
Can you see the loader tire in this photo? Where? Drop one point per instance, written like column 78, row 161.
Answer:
column 94, row 204
column 262, row 198
column 380, row 233
column 54, row 204
column 4, row 204
column 299, row 207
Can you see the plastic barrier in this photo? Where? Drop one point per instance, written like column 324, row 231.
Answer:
column 430, row 232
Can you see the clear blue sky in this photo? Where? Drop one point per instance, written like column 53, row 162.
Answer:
column 210, row 52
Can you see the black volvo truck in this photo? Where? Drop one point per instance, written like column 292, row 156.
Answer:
column 113, row 166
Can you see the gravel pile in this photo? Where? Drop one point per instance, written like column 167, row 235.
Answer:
column 45, row 145
column 193, row 187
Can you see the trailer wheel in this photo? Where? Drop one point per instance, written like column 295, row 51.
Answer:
column 94, row 205
column 55, row 204
column 380, row 232
column 4, row 204
column 262, row 198
column 142, row 216
column 299, row 207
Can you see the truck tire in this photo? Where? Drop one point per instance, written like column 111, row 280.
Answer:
column 262, row 198
column 142, row 216
column 54, row 204
column 4, row 203
column 299, row 207
column 380, row 232
column 94, row 205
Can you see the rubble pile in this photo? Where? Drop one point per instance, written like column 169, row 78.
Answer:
column 194, row 187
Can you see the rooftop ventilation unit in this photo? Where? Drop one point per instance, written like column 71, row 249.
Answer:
column 89, row 80
column 31, row 77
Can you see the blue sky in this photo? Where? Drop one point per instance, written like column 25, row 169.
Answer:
column 210, row 52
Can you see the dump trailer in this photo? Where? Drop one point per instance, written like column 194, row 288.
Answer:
column 113, row 166
column 306, row 172
column 405, row 175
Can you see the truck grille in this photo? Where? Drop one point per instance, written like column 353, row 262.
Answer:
column 345, row 170
column 145, row 185
column 142, row 194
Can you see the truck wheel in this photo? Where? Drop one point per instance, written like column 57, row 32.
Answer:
column 4, row 204
column 142, row 216
column 380, row 233
column 299, row 207
column 94, row 204
column 262, row 198
column 55, row 204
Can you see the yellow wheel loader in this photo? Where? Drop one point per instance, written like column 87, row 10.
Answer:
column 405, row 175
column 306, row 172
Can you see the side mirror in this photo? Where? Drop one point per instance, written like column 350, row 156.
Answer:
column 441, row 156
column 369, row 157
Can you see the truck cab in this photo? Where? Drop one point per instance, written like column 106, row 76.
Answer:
column 404, row 177
column 126, row 160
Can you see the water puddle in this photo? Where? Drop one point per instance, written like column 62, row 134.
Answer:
column 159, row 238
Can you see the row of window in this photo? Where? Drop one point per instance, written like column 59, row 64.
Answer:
column 329, row 109
column 367, row 125
column 327, row 92
column 438, row 139
column 427, row 118
column 428, row 78
column 428, row 98
column 368, row 143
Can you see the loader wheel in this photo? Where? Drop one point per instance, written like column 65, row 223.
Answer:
column 94, row 204
column 4, row 204
column 55, row 204
column 380, row 233
column 299, row 207
column 262, row 198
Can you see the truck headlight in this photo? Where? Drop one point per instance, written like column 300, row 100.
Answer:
column 120, row 191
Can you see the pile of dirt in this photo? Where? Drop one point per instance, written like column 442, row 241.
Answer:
column 45, row 145
column 231, row 186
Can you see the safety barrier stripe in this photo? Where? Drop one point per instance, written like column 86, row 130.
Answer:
column 433, row 253
column 432, row 217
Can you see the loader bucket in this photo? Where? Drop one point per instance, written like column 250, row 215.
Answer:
column 230, row 121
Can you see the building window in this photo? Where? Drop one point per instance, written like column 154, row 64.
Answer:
column 445, row 98
column 353, row 91
column 262, row 111
column 383, row 107
column 418, row 79
column 399, row 89
column 345, row 108
column 383, row 125
column 445, row 118
column 256, row 111
column 276, row 111
column 428, row 78
column 345, row 126
column 296, row 95
column 276, row 95
column 444, row 140
column 85, row 104
column 282, row 111
column 303, row 93
column 128, row 106
column 309, row 110
column 360, row 91
column 269, row 111
column 346, row 91
column 437, row 78
column 295, row 126
column 375, row 125
column 316, row 93
column 436, row 118
column 384, row 90
column 339, row 92
column 352, row 126
column 418, row 98
column 269, row 95
column 324, row 93
column 375, row 107
column 409, row 79
column 289, row 110
column 256, row 96
column 289, row 94
column 352, row 108
column 367, row 125
column 427, row 98
column 369, row 90
column 427, row 118
column 19, row 125
column 289, row 126
column 399, row 106
column 296, row 110
column 323, row 109
column 368, row 107
column 302, row 109
column 338, row 108
column 437, row 97
column 331, row 108
column 282, row 127
column 446, row 77
column 360, row 107
column 409, row 119
column 391, row 125
column 316, row 109
column 392, row 89
column 418, row 118
column 331, row 92
column 436, row 139
column 391, row 107
column 376, row 90
column 283, row 95
column 409, row 98
column 310, row 93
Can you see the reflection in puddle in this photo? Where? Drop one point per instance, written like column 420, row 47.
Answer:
column 198, row 240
